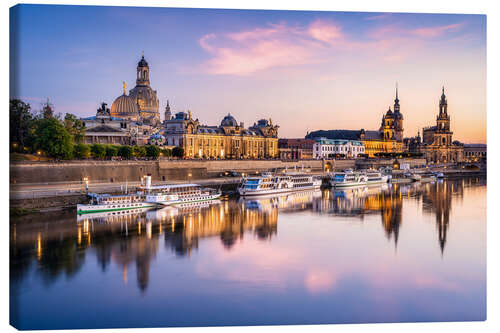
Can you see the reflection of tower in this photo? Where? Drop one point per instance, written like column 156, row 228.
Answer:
column 437, row 199
column 391, row 206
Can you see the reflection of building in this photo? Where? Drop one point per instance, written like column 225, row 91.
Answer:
column 229, row 140
column 295, row 149
column 437, row 144
column 437, row 200
column 388, row 138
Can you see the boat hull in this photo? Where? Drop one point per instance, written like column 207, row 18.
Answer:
column 246, row 193
column 189, row 200
column 89, row 209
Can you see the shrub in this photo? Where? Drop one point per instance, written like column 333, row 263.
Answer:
column 152, row 151
column 178, row 152
column 125, row 152
column 139, row 151
column 81, row 151
column 98, row 150
column 111, row 151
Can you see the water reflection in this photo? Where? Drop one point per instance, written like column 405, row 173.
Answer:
column 57, row 244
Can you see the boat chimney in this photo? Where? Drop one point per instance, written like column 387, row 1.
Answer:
column 148, row 182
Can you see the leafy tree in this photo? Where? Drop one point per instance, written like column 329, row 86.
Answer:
column 125, row 152
column 75, row 127
column 52, row 138
column 21, row 121
column 98, row 150
column 111, row 151
column 166, row 152
column 81, row 151
column 139, row 151
column 152, row 151
column 177, row 152
column 47, row 110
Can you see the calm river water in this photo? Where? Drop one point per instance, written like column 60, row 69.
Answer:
column 381, row 254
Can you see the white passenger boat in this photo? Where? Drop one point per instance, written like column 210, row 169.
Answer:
column 179, row 194
column 376, row 177
column 100, row 203
column 269, row 183
column 348, row 178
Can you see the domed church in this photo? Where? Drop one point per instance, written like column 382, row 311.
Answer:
column 144, row 99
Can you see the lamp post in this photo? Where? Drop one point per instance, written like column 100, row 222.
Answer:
column 86, row 181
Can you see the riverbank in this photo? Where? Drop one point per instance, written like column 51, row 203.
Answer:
column 26, row 198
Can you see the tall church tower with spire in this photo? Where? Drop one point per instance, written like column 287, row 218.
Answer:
column 398, row 119
column 443, row 134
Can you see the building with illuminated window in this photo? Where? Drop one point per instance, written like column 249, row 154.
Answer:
column 228, row 140
column 387, row 139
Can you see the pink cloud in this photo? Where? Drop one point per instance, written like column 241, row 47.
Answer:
column 281, row 45
column 435, row 31
column 278, row 45
column 325, row 31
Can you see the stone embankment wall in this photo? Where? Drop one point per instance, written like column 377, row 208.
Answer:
column 165, row 170
column 121, row 171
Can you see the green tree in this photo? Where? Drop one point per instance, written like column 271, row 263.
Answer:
column 21, row 122
column 52, row 138
column 139, row 151
column 152, row 151
column 75, row 127
column 125, row 152
column 111, row 151
column 166, row 152
column 177, row 152
column 98, row 150
column 81, row 151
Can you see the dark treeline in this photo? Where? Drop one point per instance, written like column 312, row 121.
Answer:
column 48, row 134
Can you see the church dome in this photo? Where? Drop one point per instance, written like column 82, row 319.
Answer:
column 124, row 107
column 389, row 113
column 229, row 121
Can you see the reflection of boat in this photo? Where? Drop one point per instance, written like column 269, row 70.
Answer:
column 270, row 183
column 100, row 203
column 280, row 201
column 110, row 214
column 348, row 178
column 179, row 194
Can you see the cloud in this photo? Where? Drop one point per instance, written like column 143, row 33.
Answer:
column 277, row 45
column 378, row 17
column 282, row 45
column 436, row 31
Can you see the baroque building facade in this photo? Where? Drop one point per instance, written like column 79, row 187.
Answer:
column 228, row 140
column 141, row 103
column 437, row 141
column 387, row 139
column 104, row 128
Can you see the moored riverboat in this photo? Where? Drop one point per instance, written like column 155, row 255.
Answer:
column 348, row 178
column 269, row 183
column 100, row 203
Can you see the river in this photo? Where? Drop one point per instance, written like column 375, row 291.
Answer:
column 391, row 253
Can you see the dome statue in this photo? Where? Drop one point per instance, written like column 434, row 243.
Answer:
column 124, row 106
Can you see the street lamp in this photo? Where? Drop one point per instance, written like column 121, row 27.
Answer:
column 86, row 181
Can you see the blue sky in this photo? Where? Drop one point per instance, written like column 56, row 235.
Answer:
column 305, row 70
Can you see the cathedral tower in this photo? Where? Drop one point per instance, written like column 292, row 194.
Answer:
column 142, row 72
column 398, row 119
column 443, row 133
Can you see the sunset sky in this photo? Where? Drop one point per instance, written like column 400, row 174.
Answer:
column 306, row 70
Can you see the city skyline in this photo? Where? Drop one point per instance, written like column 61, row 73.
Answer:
column 306, row 70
